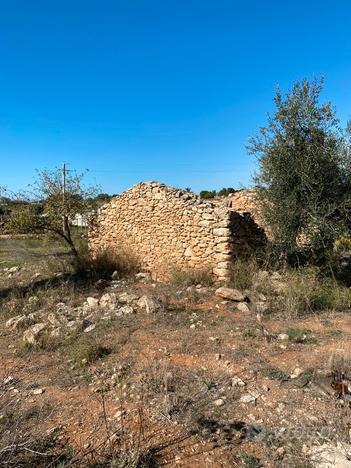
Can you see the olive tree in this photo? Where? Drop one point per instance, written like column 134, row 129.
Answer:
column 303, row 177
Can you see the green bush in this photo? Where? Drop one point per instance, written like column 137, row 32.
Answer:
column 206, row 194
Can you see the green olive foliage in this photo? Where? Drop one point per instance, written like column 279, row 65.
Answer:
column 304, row 171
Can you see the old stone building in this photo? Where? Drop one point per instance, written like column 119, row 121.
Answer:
column 167, row 228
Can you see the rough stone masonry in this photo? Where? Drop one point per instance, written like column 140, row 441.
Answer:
column 167, row 228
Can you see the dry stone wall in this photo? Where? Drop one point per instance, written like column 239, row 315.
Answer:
column 246, row 201
column 167, row 229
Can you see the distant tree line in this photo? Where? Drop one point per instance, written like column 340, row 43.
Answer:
column 224, row 192
column 44, row 209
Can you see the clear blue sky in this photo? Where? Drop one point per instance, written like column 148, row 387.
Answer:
column 165, row 90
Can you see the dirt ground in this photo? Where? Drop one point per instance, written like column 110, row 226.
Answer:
column 195, row 383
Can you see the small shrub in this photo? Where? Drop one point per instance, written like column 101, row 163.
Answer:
column 210, row 384
column 45, row 343
column 305, row 378
column 105, row 262
column 94, row 352
column 251, row 461
column 242, row 273
column 321, row 300
column 298, row 335
column 85, row 351
column 276, row 374
column 58, row 264
column 249, row 333
column 159, row 379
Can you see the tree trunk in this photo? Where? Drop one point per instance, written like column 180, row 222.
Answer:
column 66, row 235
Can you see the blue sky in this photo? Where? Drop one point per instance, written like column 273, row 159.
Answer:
column 166, row 90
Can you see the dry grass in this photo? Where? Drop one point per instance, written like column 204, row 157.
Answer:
column 242, row 273
column 291, row 292
column 190, row 277
column 23, row 439
column 105, row 262
column 306, row 293
column 33, row 297
column 172, row 373
column 85, row 351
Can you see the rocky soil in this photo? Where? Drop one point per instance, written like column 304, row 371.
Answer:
column 143, row 372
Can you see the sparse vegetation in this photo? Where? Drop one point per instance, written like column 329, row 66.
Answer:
column 250, row 461
column 243, row 273
column 171, row 370
column 105, row 262
column 85, row 352
column 146, row 372
column 191, row 277
column 48, row 207
column 224, row 192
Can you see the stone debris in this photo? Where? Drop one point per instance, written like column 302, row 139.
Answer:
column 66, row 319
column 33, row 335
column 76, row 325
column 143, row 276
column 92, row 301
column 13, row 269
column 219, row 402
column 148, row 304
column 20, row 322
column 127, row 298
column 237, row 382
column 56, row 320
column 243, row 307
column 261, row 307
column 331, row 456
column 8, row 380
column 231, row 294
column 108, row 300
column 296, row 374
column 249, row 397
column 125, row 310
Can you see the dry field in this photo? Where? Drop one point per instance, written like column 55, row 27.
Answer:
column 130, row 373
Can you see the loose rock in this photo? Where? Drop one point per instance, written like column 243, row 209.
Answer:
column 33, row 334
column 237, row 382
column 127, row 298
column 148, row 304
column 92, row 301
column 219, row 402
column 231, row 294
column 108, row 300
column 249, row 397
column 243, row 307
column 20, row 322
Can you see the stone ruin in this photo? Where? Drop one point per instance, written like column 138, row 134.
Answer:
column 167, row 228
